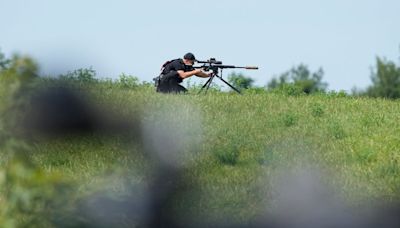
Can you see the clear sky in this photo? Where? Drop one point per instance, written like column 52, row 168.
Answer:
column 136, row 37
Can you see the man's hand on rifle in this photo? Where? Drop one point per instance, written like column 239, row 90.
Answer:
column 202, row 74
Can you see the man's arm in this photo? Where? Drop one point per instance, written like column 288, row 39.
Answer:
column 197, row 72
column 203, row 75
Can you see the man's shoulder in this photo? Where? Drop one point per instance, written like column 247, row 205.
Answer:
column 177, row 61
column 178, row 64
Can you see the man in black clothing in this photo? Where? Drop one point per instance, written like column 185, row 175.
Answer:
column 176, row 71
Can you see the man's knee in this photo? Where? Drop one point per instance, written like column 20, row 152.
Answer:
column 170, row 84
column 171, row 88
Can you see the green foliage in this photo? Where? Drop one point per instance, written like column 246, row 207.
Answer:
column 147, row 84
column 239, row 81
column 299, row 79
column 385, row 80
column 289, row 119
column 29, row 193
column 289, row 89
column 19, row 68
column 336, row 94
column 317, row 110
column 83, row 75
column 4, row 62
column 15, row 84
column 128, row 81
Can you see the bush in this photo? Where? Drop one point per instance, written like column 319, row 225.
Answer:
column 298, row 79
column 31, row 194
column 128, row 81
column 289, row 89
column 335, row 94
column 385, row 80
column 289, row 119
column 317, row 110
column 84, row 75
column 240, row 81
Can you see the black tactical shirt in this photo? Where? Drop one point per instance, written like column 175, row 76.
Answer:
column 177, row 65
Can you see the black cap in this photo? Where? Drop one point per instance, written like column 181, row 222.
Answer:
column 189, row 56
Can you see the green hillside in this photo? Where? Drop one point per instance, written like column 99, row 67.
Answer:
column 230, row 148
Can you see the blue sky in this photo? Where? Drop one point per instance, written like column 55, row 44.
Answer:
column 136, row 37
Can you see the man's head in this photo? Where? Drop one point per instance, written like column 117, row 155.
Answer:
column 189, row 59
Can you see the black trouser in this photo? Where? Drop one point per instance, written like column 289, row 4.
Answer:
column 170, row 84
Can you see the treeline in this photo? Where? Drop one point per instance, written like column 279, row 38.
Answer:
column 385, row 78
column 296, row 81
column 299, row 80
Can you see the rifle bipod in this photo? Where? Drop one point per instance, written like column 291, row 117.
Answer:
column 210, row 80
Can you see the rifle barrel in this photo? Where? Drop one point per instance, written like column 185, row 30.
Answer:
column 228, row 67
column 239, row 67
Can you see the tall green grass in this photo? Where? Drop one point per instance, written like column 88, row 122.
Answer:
column 245, row 140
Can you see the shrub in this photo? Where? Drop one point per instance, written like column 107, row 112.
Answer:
column 317, row 110
column 385, row 80
column 29, row 196
column 128, row 81
column 289, row 119
column 298, row 79
column 240, row 81
column 84, row 75
column 335, row 94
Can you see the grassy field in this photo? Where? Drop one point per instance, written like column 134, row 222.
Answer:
column 230, row 148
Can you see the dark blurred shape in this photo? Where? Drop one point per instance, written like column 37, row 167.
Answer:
column 384, row 216
column 303, row 200
column 60, row 110
column 100, row 211
column 164, row 188
column 149, row 207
